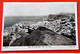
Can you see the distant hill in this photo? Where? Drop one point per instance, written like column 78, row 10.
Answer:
column 52, row 17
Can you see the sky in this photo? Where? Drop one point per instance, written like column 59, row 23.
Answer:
column 36, row 9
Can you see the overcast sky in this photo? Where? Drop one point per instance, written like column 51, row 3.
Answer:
column 34, row 9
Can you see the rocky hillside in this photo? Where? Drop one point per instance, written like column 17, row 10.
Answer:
column 42, row 36
column 59, row 30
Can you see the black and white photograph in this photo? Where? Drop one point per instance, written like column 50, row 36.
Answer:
column 39, row 26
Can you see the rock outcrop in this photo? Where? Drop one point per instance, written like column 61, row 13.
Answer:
column 43, row 36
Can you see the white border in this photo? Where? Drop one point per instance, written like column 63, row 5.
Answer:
column 21, row 48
